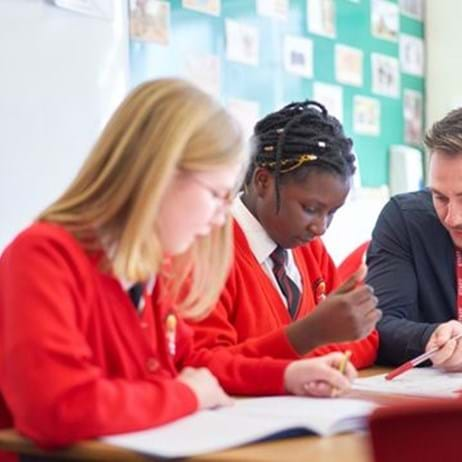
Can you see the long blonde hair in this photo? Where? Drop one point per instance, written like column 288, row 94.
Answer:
column 161, row 126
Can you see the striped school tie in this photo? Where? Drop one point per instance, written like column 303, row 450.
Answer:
column 287, row 286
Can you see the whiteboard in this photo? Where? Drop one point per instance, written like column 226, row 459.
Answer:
column 62, row 73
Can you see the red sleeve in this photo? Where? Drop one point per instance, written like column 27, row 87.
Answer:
column 364, row 352
column 218, row 331
column 238, row 374
column 55, row 392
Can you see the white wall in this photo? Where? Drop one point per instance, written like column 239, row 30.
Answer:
column 61, row 75
column 443, row 57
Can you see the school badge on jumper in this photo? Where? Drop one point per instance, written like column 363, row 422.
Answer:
column 319, row 290
column 170, row 324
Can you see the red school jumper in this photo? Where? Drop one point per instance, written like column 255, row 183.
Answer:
column 78, row 361
column 250, row 317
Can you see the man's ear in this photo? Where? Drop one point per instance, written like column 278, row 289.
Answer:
column 263, row 181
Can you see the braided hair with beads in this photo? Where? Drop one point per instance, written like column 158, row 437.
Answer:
column 291, row 141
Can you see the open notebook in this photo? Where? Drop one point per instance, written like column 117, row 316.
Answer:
column 423, row 381
column 249, row 420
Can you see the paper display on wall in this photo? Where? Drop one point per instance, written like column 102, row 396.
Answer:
column 385, row 20
column 412, row 8
column 331, row 96
column 242, row 43
column 385, row 75
column 246, row 112
column 321, row 17
column 298, row 56
column 411, row 55
column 349, row 65
column 150, row 21
column 277, row 9
column 413, row 112
column 98, row 8
column 212, row 7
column 366, row 115
column 204, row 71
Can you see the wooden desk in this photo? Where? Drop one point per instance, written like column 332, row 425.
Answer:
column 352, row 447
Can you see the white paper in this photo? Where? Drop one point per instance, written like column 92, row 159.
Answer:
column 385, row 75
column 366, row 115
column 426, row 381
column 321, row 17
column 277, row 9
column 330, row 96
column 411, row 55
column 150, row 21
column 412, row 8
column 99, row 8
column 298, row 56
column 385, row 20
column 413, row 115
column 247, row 421
column 212, row 7
column 246, row 112
column 242, row 42
column 349, row 65
column 204, row 71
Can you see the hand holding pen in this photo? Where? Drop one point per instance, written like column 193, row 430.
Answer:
column 450, row 344
column 449, row 354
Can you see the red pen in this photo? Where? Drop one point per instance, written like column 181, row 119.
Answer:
column 415, row 362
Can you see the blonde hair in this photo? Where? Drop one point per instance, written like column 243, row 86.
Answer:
column 161, row 126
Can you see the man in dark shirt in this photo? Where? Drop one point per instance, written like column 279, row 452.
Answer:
column 412, row 259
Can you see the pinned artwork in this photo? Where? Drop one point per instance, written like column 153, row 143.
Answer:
column 349, row 65
column 150, row 21
column 366, row 115
column 321, row 17
column 385, row 75
column 242, row 44
column 385, row 20
column 298, row 56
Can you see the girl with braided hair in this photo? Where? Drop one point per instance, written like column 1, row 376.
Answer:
column 282, row 297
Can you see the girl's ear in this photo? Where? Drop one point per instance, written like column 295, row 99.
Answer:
column 263, row 181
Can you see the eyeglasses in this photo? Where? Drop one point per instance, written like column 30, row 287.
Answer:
column 226, row 198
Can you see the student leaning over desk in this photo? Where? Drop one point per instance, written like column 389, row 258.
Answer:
column 77, row 359
column 282, row 297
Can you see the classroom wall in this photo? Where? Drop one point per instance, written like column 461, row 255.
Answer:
column 61, row 74
column 188, row 37
column 444, row 58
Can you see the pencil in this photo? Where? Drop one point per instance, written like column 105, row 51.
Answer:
column 342, row 368
column 416, row 361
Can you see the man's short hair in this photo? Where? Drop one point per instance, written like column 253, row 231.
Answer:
column 446, row 134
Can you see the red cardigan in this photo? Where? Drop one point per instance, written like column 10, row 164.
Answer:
column 78, row 361
column 251, row 318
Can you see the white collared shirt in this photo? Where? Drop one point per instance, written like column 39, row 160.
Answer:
column 262, row 246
